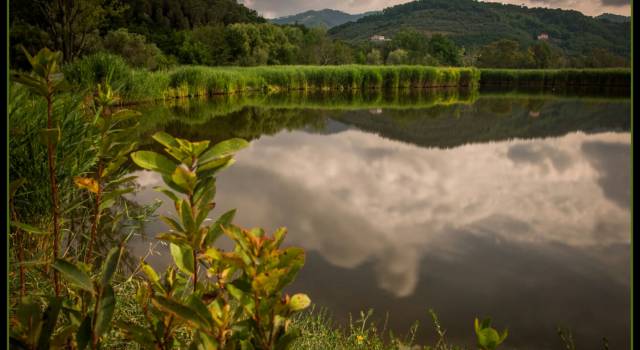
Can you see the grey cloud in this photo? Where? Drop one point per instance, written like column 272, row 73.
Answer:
column 616, row 2
column 539, row 154
column 611, row 160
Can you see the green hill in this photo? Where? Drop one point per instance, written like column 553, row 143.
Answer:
column 326, row 18
column 472, row 23
column 614, row 18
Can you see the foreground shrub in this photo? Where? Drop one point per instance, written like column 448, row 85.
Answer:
column 241, row 304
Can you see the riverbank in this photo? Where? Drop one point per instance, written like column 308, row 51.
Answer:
column 561, row 78
column 136, row 86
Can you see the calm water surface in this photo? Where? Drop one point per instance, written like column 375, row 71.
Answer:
column 511, row 207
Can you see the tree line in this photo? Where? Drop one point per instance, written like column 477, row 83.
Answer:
column 156, row 34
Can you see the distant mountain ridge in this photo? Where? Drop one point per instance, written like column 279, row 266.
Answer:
column 326, row 18
column 471, row 23
column 614, row 18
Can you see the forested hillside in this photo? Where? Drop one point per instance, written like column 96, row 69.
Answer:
column 158, row 34
column 77, row 27
column 326, row 18
column 472, row 23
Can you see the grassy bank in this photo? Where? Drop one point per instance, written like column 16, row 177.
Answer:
column 604, row 77
column 192, row 81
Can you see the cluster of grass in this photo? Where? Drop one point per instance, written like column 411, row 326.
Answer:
column 319, row 330
column 603, row 77
column 192, row 81
column 138, row 85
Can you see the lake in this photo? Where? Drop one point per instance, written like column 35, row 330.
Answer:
column 512, row 206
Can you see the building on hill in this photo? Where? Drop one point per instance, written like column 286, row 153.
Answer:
column 378, row 38
column 543, row 36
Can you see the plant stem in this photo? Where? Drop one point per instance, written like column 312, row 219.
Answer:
column 19, row 241
column 96, row 217
column 195, row 248
column 54, row 187
column 94, row 339
column 195, row 271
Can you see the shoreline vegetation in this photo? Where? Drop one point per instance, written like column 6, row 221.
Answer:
column 71, row 221
column 138, row 85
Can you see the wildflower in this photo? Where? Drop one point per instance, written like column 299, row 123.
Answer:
column 360, row 339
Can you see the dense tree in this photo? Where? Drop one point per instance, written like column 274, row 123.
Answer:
column 135, row 49
column 473, row 24
column 444, row 50
column 374, row 57
column 64, row 25
column 504, row 54
column 398, row 56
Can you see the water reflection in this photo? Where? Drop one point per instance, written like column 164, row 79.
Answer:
column 534, row 232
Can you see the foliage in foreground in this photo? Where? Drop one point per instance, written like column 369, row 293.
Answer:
column 209, row 298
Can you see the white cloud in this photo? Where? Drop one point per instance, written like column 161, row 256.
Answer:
column 354, row 197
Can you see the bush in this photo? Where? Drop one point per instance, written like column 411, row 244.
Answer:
column 94, row 69
column 135, row 49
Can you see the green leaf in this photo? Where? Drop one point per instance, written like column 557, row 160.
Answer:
column 486, row 323
column 208, row 342
column 173, row 224
column 50, row 318
column 136, row 333
column 284, row 343
column 167, row 193
column 167, row 180
column 14, row 185
column 166, row 139
column 488, row 338
column 112, row 195
column 183, row 258
column 73, row 274
column 182, row 311
column 152, row 275
column 38, row 86
column 199, row 147
column 105, row 204
column 184, row 178
column 195, row 303
column 124, row 114
column 223, row 148
column 278, row 236
column 299, row 302
column 215, row 230
column 29, row 228
column 243, row 297
column 174, row 237
column 106, row 307
column 83, row 336
column 187, row 217
column 153, row 161
column 503, row 336
column 50, row 136
column 113, row 166
column 213, row 166
column 110, row 265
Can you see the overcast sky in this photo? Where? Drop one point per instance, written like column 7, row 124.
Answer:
column 279, row 8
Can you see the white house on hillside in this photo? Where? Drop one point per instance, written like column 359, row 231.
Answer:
column 378, row 38
column 543, row 36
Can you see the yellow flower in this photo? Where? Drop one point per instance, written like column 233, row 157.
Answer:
column 359, row 339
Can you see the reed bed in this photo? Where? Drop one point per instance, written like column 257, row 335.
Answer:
column 137, row 86
column 602, row 77
column 193, row 81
